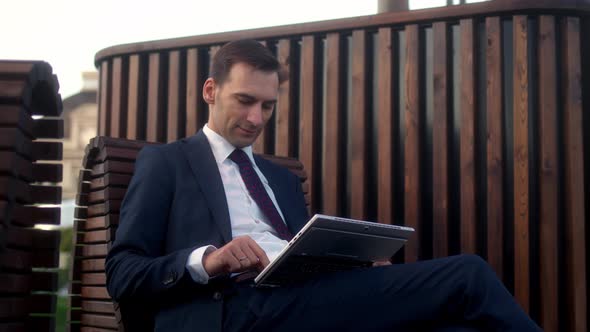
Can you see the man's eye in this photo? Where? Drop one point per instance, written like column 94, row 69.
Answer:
column 245, row 101
column 268, row 106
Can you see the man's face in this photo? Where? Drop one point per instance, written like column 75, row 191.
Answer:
column 242, row 105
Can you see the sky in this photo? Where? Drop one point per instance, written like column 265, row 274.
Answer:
column 68, row 33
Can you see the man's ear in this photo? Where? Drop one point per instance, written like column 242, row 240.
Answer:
column 209, row 91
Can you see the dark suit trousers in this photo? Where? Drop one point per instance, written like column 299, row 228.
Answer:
column 432, row 295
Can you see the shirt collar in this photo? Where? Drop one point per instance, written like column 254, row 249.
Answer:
column 222, row 148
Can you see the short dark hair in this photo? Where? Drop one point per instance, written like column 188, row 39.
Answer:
column 247, row 51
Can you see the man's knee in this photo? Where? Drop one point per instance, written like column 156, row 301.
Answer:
column 473, row 263
column 471, row 259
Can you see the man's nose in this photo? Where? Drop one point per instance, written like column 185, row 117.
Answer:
column 255, row 115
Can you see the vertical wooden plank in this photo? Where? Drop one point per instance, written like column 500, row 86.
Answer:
column 212, row 51
column 260, row 145
column 285, row 133
column 575, row 250
column 358, row 158
column 193, row 91
column 133, row 97
column 495, row 134
column 385, row 126
column 154, row 96
column 173, row 102
column 103, row 115
column 116, row 101
column 440, row 135
column 412, row 160
column 521, row 164
column 548, row 177
column 332, row 186
column 467, row 143
column 308, row 127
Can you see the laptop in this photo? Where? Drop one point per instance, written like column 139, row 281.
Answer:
column 330, row 244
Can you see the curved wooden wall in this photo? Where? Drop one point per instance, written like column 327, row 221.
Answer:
column 469, row 123
column 30, row 125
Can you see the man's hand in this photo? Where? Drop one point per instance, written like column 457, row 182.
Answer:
column 239, row 255
column 382, row 263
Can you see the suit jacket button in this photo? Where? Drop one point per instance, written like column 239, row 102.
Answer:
column 217, row 296
column 170, row 279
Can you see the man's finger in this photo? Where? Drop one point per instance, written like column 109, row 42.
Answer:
column 242, row 257
column 231, row 262
column 252, row 257
column 259, row 252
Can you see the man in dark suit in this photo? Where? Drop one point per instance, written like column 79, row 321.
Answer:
column 202, row 211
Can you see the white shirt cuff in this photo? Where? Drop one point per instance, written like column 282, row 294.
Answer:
column 194, row 264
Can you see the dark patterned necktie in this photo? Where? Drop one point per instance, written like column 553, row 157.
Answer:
column 259, row 194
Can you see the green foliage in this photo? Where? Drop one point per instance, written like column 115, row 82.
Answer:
column 60, row 315
column 66, row 239
column 65, row 246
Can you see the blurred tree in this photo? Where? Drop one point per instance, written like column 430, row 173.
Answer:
column 66, row 239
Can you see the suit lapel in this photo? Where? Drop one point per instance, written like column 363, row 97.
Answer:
column 202, row 162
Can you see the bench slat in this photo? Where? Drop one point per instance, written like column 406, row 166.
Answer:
column 95, row 329
column 13, row 307
column 98, row 236
column 106, row 194
column 46, row 194
column 14, row 139
column 104, row 208
column 94, row 250
column 92, row 292
column 12, row 327
column 47, row 151
column 110, row 166
column 14, row 164
column 17, row 117
column 47, row 172
column 30, row 215
column 101, row 222
column 13, row 259
column 48, row 128
column 103, row 307
column 98, row 320
column 115, row 153
column 110, row 180
column 12, row 283
column 13, row 188
column 92, row 265
column 94, row 279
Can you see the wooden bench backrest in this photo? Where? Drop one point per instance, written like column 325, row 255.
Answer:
column 108, row 167
column 27, row 89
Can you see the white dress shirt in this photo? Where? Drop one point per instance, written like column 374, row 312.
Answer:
column 245, row 215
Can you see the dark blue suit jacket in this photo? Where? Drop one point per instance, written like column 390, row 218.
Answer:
column 176, row 203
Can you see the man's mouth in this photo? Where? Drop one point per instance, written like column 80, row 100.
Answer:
column 248, row 131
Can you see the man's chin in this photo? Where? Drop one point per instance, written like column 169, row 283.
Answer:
column 243, row 142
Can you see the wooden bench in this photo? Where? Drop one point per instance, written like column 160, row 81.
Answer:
column 30, row 108
column 108, row 166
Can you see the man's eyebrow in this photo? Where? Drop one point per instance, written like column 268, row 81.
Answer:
column 248, row 96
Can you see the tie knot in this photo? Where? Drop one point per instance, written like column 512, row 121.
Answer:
column 239, row 157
